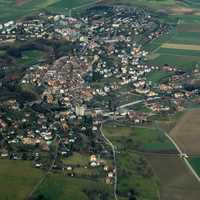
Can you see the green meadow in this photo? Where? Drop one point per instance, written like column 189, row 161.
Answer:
column 17, row 178
column 10, row 11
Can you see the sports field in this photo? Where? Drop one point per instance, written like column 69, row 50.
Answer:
column 186, row 132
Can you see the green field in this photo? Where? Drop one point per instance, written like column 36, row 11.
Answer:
column 134, row 173
column 145, row 139
column 17, row 178
column 31, row 57
column 195, row 162
column 158, row 76
column 181, row 58
column 9, row 10
column 61, row 188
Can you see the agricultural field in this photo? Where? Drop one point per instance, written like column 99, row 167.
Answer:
column 175, row 180
column 195, row 162
column 23, row 177
column 179, row 51
column 134, row 173
column 11, row 10
column 186, row 132
column 181, row 46
column 172, row 7
column 139, row 138
column 18, row 175
column 58, row 187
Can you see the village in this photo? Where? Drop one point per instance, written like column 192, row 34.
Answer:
column 104, row 77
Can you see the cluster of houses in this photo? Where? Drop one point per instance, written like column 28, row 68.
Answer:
column 109, row 53
column 42, row 26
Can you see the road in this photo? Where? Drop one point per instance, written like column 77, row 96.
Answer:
column 114, row 160
column 181, row 153
column 131, row 104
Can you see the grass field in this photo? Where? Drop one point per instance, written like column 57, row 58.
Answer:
column 61, row 188
column 195, row 162
column 158, row 77
column 144, row 139
column 31, row 57
column 175, row 180
column 17, row 178
column 186, row 132
column 9, row 10
column 77, row 159
column 133, row 172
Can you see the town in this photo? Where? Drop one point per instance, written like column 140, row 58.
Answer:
column 102, row 77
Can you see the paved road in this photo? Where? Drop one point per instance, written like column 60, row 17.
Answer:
column 131, row 104
column 114, row 159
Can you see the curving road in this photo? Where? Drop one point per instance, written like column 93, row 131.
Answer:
column 114, row 159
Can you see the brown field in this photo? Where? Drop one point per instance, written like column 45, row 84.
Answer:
column 180, row 10
column 175, row 180
column 20, row 2
column 188, row 28
column 187, row 132
column 181, row 46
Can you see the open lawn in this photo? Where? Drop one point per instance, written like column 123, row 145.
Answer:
column 17, row 178
column 158, row 76
column 77, row 159
column 31, row 57
column 186, row 132
column 175, row 180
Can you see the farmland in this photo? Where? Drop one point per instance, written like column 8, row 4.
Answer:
column 134, row 172
column 180, row 49
column 10, row 10
column 181, row 46
column 144, row 139
column 59, row 187
column 175, row 180
column 22, row 177
column 186, row 133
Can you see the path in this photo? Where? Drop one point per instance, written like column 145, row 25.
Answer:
column 181, row 153
column 114, row 159
column 46, row 174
